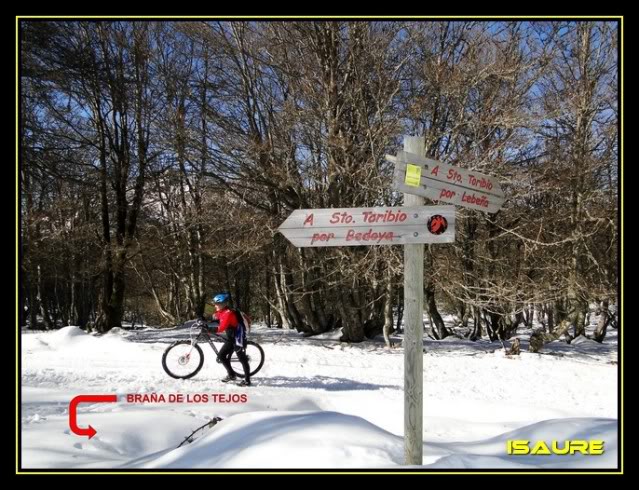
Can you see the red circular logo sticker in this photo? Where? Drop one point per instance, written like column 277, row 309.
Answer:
column 437, row 224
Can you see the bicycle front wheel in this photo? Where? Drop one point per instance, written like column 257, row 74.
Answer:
column 255, row 355
column 182, row 360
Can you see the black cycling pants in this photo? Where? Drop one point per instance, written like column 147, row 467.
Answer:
column 226, row 352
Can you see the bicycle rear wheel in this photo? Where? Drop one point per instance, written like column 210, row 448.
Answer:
column 255, row 355
column 182, row 360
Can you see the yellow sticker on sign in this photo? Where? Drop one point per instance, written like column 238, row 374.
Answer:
column 413, row 175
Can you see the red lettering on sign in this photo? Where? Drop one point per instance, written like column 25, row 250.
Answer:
column 370, row 236
column 309, row 220
column 454, row 175
column 387, row 217
column 482, row 182
column 322, row 237
column 446, row 194
column 340, row 218
column 472, row 199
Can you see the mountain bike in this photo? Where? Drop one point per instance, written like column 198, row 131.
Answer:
column 184, row 359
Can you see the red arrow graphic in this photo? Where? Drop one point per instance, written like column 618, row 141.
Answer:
column 73, row 416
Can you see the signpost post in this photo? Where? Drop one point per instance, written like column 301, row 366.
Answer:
column 413, row 333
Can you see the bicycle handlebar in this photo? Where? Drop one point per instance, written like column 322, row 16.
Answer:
column 204, row 327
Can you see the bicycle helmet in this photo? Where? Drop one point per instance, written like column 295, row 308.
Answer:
column 221, row 298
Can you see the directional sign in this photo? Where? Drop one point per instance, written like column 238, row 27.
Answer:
column 340, row 227
column 436, row 180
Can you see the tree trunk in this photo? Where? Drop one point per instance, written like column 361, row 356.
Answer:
column 437, row 322
column 550, row 312
column 604, row 321
column 309, row 284
column 462, row 313
column 34, row 306
column 352, row 329
column 44, row 302
column 282, row 311
column 578, row 314
column 112, row 300
column 476, row 332
column 400, row 309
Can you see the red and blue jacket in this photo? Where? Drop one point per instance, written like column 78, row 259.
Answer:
column 228, row 320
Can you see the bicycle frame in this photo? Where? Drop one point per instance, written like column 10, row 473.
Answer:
column 205, row 336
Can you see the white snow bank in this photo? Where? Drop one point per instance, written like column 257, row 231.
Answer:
column 584, row 340
column 492, row 453
column 75, row 338
column 123, row 434
column 335, row 440
column 66, row 336
column 285, row 440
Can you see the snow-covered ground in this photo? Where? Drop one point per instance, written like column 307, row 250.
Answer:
column 316, row 403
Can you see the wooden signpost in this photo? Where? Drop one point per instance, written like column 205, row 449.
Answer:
column 411, row 226
column 340, row 227
column 441, row 182
column 413, row 334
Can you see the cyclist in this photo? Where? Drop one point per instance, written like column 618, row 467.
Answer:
column 227, row 325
